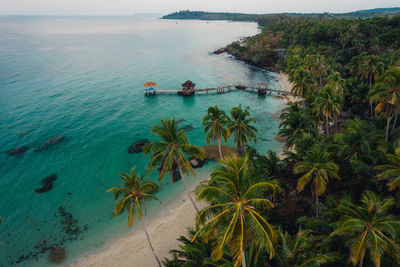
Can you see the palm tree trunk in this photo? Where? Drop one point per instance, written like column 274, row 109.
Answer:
column 370, row 104
column 361, row 261
column 316, row 205
column 387, row 127
column 243, row 260
column 219, row 148
column 395, row 120
column 151, row 246
column 327, row 127
column 187, row 189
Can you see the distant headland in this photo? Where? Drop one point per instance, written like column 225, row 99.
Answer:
column 202, row 15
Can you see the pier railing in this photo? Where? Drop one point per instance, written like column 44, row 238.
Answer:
column 261, row 90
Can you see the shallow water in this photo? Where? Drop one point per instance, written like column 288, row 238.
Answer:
column 81, row 77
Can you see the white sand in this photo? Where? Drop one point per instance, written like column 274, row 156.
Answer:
column 287, row 86
column 133, row 249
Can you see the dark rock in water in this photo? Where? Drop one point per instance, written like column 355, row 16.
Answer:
column 47, row 184
column 49, row 179
column 57, row 254
column 196, row 162
column 49, row 142
column 220, row 51
column 187, row 128
column 138, row 146
column 44, row 188
column 181, row 120
column 17, row 151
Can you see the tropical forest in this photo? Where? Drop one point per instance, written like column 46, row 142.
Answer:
column 332, row 196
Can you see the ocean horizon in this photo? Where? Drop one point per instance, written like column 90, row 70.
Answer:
column 79, row 78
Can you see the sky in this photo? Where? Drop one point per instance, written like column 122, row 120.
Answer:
column 128, row 7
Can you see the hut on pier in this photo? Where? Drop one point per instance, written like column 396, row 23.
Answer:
column 187, row 88
column 262, row 88
column 150, row 88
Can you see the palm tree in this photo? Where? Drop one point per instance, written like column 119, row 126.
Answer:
column 300, row 250
column 386, row 94
column 168, row 153
column 303, row 84
column 295, row 122
column 317, row 168
column 369, row 227
column 134, row 193
column 337, row 83
column 241, row 127
column 317, row 66
column 215, row 123
column 327, row 104
column 391, row 171
column 234, row 215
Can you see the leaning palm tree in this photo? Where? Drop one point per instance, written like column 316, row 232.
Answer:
column 391, row 171
column 241, row 128
column 386, row 94
column 168, row 153
column 369, row 227
column 328, row 105
column 234, row 217
column 215, row 123
column 300, row 250
column 134, row 194
column 317, row 168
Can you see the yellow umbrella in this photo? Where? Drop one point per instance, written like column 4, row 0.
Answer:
column 149, row 84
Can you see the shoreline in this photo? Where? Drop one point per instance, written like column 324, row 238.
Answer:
column 133, row 249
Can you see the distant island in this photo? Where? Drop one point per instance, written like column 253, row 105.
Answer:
column 261, row 18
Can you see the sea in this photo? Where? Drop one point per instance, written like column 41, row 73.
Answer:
column 81, row 78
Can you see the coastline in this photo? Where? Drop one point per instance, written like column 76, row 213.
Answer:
column 133, row 248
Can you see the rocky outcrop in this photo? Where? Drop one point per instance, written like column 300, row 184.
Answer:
column 196, row 162
column 47, row 184
column 138, row 146
column 17, row 151
column 50, row 142
column 220, row 51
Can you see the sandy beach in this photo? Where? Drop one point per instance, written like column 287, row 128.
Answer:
column 133, row 249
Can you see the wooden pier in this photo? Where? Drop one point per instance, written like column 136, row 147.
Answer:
column 260, row 90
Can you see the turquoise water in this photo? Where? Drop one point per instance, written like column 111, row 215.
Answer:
column 81, row 77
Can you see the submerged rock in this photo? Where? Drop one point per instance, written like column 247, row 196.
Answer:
column 47, row 184
column 264, row 139
column 187, row 128
column 49, row 142
column 57, row 254
column 181, row 120
column 17, row 151
column 138, row 146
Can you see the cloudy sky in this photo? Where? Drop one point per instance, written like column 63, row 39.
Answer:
column 127, row 7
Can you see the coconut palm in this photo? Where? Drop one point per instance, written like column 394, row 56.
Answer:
column 317, row 66
column 391, row 171
column 337, row 83
column 241, row 126
column 295, row 123
column 303, row 84
column 234, row 216
column 369, row 227
column 386, row 94
column 370, row 69
column 215, row 123
column 299, row 250
column 317, row 168
column 134, row 193
column 328, row 105
column 168, row 153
